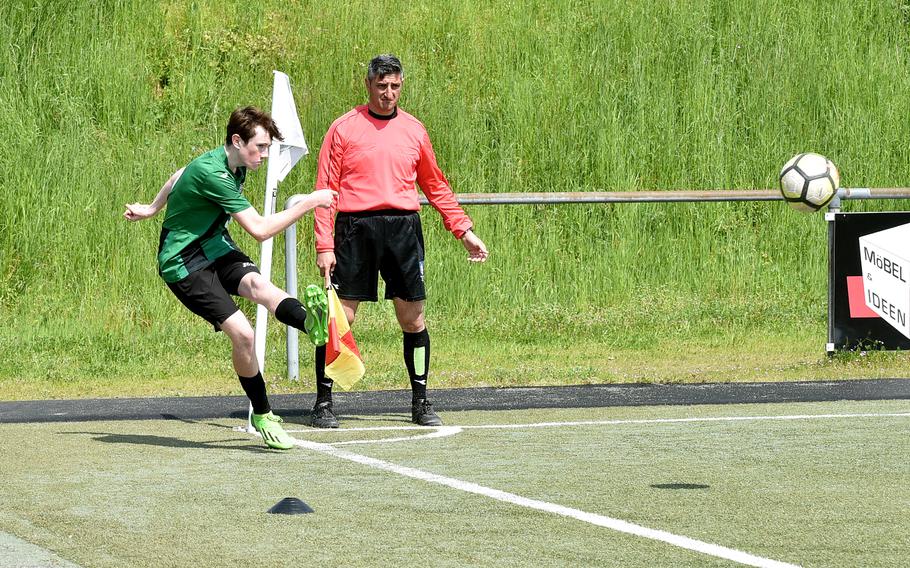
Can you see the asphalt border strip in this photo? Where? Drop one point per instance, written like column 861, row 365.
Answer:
column 485, row 398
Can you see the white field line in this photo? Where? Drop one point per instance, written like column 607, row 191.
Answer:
column 438, row 432
column 687, row 420
column 428, row 432
column 595, row 519
column 366, row 429
column 599, row 520
column 588, row 423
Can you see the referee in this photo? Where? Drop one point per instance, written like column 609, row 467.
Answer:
column 372, row 156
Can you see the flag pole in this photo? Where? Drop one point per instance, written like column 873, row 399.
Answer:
column 265, row 258
column 283, row 155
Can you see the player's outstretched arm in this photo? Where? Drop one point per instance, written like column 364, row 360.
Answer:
column 477, row 251
column 263, row 228
column 140, row 211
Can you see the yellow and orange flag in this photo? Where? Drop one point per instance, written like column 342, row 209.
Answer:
column 343, row 363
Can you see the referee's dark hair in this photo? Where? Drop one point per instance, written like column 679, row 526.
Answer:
column 382, row 65
column 244, row 121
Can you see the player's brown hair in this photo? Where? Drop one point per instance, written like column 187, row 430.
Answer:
column 244, row 121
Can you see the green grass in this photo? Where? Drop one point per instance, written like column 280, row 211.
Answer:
column 158, row 364
column 107, row 98
column 810, row 492
column 721, row 346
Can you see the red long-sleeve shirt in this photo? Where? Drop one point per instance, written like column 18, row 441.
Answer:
column 373, row 163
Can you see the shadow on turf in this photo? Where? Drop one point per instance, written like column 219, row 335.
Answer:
column 165, row 442
column 196, row 422
column 679, row 486
column 299, row 418
column 303, row 419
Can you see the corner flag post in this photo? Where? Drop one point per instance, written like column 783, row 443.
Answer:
column 283, row 155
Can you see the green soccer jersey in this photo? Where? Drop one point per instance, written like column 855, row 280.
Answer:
column 194, row 233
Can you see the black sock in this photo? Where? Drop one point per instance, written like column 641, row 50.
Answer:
column 254, row 387
column 323, row 384
column 291, row 312
column 417, row 360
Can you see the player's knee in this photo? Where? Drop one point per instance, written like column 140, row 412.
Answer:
column 251, row 283
column 244, row 340
column 241, row 334
column 413, row 326
column 255, row 287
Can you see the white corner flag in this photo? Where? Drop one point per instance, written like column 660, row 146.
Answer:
column 283, row 155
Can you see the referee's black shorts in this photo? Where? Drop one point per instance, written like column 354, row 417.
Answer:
column 370, row 243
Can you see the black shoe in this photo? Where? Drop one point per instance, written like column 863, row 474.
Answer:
column 323, row 417
column 422, row 413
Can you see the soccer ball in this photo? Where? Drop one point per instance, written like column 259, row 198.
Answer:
column 809, row 181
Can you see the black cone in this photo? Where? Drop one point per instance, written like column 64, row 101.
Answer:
column 291, row 506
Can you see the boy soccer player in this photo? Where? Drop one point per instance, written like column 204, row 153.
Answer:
column 204, row 267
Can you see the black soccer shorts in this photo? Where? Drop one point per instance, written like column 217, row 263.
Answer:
column 372, row 243
column 207, row 292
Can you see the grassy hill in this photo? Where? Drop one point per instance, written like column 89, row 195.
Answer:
column 103, row 100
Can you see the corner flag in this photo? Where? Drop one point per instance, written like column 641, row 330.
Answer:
column 343, row 363
column 283, row 155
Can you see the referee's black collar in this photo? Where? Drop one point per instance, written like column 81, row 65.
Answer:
column 383, row 117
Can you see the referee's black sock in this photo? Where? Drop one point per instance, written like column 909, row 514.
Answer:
column 323, row 383
column 254, row 387
column 417, row 360
column 291, row 312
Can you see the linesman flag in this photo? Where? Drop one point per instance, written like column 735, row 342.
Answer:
column 343, row 363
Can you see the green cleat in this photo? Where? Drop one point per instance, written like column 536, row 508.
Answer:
column 317, row 315
column 274, row 436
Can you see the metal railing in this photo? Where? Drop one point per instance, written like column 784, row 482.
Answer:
column 675, row 196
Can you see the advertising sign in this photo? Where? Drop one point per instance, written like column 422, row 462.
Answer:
column 883, row 256
column 868, row 274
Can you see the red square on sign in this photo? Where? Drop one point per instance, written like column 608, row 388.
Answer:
column 856, row 293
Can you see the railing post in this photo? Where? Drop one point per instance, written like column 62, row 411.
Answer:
column 830, row 217
column 290, row 279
